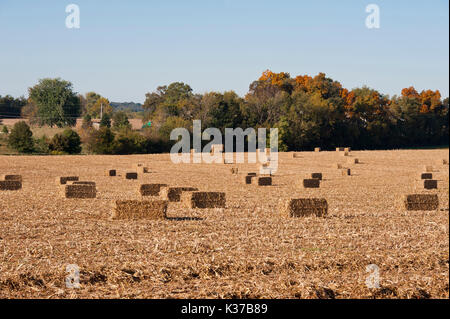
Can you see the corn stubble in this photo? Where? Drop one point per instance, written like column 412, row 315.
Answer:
column 249, row 249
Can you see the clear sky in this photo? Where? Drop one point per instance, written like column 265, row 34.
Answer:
column 124, row 49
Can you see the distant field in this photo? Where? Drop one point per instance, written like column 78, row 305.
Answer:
column 245, row 250
column 135, row 123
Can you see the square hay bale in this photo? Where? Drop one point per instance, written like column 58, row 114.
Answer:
column 150, row 189
column 347, row 149
column 317, row 149
column 428, row 168
column 303, row 207
column 134, row 209
column 203, row 199
column 251, row 174
column 12, row 178
column 234, row 170
column 424, row 202
column 340, row 149
column 111, row 172
column 263, row 181
column 311, row 183
column 248, row 179
column 80, row 191
column 352, row 160
column 430, row 184
column 443, row 162
column 64, row 179
column 344, row 153
column 131, row 175
column 346, row 172
column 10, row 185
column 336, row 166
column 173, row 194
column 426, row 176
column 316, row 176
column 295, row 155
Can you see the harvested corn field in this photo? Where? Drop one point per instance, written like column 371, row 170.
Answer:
column 249, row 249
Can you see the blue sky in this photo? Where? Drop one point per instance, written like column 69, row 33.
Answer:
column 124, row 49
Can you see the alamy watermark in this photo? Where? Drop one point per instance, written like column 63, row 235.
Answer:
column 373, row 19
column 373, row 280
column 213, row 151
column 73, row 277
column 73, row 19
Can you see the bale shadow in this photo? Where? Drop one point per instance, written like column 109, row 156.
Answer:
column 185, row 218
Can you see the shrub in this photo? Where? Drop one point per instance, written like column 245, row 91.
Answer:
column 120, row 121
column 41, row 145
column 87, row 121
column 102, row 141
column 21, row 138
column 5, row 129
column 68, row 142
column 105, row 121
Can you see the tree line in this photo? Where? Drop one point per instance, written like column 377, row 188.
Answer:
column 308, row 111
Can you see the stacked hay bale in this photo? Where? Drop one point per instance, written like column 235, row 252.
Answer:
column 303, row 207
column 173, row 194
column 346, row 172
column 150, row 189
column 82, row 183
column 64, row 179
column 133, row 209
column 80, row 191
column 12, row 178
column 11, row 183
column 203, row 199
column 425, row 202
column 317, row 149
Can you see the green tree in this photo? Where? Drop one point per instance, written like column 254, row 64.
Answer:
column 5, row 130
column 120, row 121
column 87, row 121
column 21, row 138
column 105, row 121
column 103, row 141
column 56, row 102
column 67, row 142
